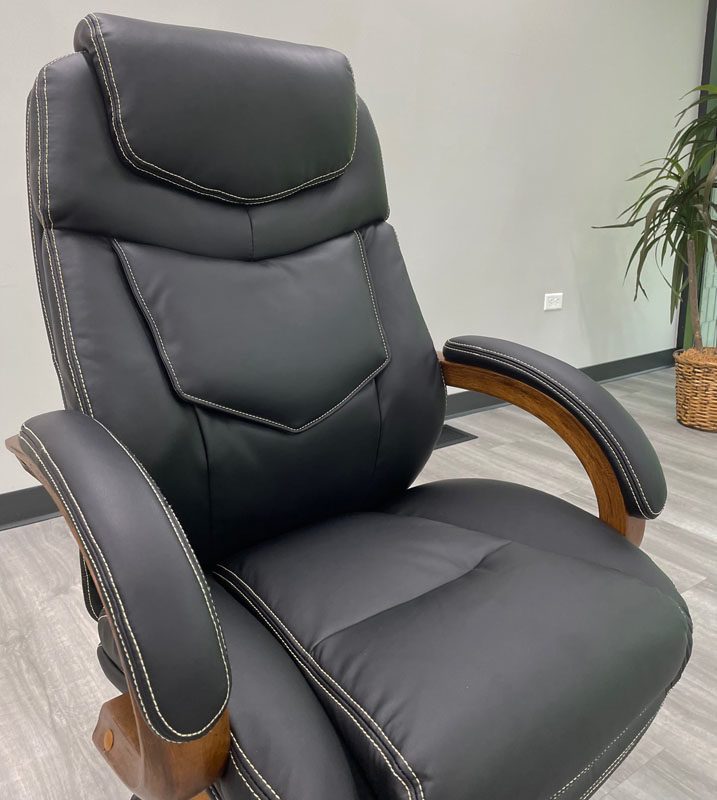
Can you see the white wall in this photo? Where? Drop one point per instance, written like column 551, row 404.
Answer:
column 507, row 130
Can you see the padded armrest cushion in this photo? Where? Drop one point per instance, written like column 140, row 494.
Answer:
column 623, row 441
column 148, row 577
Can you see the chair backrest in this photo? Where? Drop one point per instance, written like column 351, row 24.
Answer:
column 220, row 286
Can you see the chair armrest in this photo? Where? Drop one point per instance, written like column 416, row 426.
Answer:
column 629, row 456
column 156, row 598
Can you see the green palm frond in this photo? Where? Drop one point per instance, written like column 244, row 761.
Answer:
column 676, row 206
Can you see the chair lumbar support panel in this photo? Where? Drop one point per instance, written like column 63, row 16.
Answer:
column 250, row 390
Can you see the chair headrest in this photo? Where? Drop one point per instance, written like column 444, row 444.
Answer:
column 234, row 117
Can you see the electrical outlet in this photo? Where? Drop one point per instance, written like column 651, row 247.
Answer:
column 553, row 301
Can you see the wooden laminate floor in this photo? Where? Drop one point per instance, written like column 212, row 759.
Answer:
column 51, row 686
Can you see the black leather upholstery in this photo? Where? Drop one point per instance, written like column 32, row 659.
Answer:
column 203, row 86
column 636, row 464
column 282, row 739
column 237, row 377
column 222, row 291
column 283, row 742
column 220, row 471
column 160, row 604
column 467, row 652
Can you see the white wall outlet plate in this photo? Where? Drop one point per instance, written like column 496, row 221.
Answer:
column 553, row 301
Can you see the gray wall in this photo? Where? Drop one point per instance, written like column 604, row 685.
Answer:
column 507, row 128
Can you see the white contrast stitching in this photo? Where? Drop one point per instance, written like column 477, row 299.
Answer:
column 239, row 773
column 197, row 187
column 61, row 58
column 96, row 570
column 46, row 242
column 116, row 592
column 116, row 596
column 58, row 262
column 318, row 666
column 364, row 260
column 568, row 401
column 362, row 728
column 573, row 406
column 204, row 401
column 186, row 547
column 598, row 756
column 86, row 591
column 550, row 378
column 50, row 334
column 360, row 725
column 251, row 765
column 118, row 139
column 616, row 763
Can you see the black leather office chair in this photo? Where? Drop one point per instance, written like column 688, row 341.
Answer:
column 250, row 391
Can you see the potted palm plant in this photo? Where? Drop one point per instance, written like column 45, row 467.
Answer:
column 676, row 216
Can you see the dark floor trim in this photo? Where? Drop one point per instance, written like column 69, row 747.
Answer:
column 459, row 404
column 624, row 367
column 462, row 403
column 25, row 506
column 450, row 435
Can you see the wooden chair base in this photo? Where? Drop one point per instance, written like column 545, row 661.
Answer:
column 154, row 768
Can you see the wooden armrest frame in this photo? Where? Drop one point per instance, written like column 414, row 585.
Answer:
column 153, row 768
column 611, row 504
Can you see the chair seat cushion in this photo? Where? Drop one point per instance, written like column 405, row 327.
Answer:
column 474, row 639
column 283, row 744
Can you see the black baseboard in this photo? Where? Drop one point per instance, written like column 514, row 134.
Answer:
column 461, row 403
column 623, row 367
column 25, row 506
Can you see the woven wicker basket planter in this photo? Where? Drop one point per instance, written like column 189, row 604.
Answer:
column 696, row 388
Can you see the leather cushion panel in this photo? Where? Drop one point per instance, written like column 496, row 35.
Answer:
column 377, row 560
column 92, row 190
column 37, row 171
column 126, row 382
column 355, row 461
column 108, row 656
column 283, row 743
column 288, row 340
column 351, row 201
column 111, row 671
column 159, row 604
column 441, row 692
column 168, row 88
column 93, row 602
column 371, row 446
column 38, row 253
column 637, row 466
column 534, row 518
column 264, row 481
column 594, row 773
column 46, row 267
column 411, row 394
